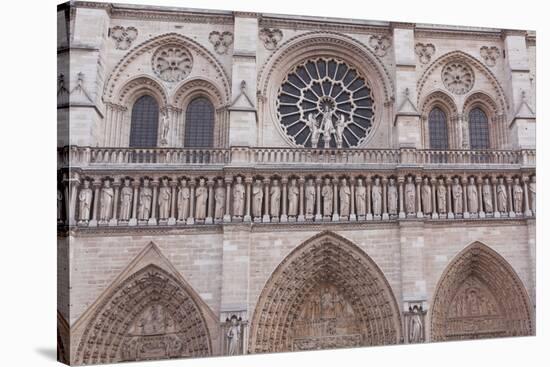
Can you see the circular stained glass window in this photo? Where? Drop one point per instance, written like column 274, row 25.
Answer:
column 326, row 103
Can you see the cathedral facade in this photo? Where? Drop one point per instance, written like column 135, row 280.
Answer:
column 233, row 183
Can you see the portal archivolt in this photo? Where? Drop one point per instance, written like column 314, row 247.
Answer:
column 151, row 315
column 480, row 296
column 326, row 294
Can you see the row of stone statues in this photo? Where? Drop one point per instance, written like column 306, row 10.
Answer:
column 271, row 200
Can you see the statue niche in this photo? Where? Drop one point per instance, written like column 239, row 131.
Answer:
column 326, row 320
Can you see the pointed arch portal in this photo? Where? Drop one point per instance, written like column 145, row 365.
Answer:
column 327, row 293
column 480, row 296
column 151, row 315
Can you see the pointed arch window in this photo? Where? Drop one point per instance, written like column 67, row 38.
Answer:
column 479, row 129
column 145, row 120
column 199, row 123
column 437, row 126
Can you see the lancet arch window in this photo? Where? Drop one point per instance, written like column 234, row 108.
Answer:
column 479, row 129
column 437, row 126
column 199, row 123
column 144, row 122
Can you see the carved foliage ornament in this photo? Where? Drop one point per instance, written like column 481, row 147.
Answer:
column 424, row 51
column 271, row 37
column 326, row 101
column 490, row 55
column 123, row 36
column 457, row 77
column 172, row 62
column 221, row 41
column 380, row 44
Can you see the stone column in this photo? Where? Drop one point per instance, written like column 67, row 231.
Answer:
column 191, row 217
column 210, row 204
column 509, row 183
column 227, row 216
column 368, row 182
column 247, row 216
column 418, row 185
column 435, row 215
column 335, row 216
column 352, row 216
column 480, row 196
column 301, row 216
column 96, row 185
column 284, row 216
column 450, row 214
column 267, row 217
column 173, row 202
column 528, row 212
column 135, row 198
column 400, row 183
column 465, row 210
column 494, row 182
column 116, row 186
column 385, row 214
column 318, row 214
column 153, row 219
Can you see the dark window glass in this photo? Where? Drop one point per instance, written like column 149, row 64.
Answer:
column 479, row 129
column 437, row 125
column 145, row 120
column 199, row 123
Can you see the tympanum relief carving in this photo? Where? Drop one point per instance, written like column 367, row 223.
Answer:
column 123, row 36
column 490, row 55
column 424, row 51
column 380, row 44
column 221, row 41
column 271, row 37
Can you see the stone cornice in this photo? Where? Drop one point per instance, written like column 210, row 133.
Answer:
column 316, row 24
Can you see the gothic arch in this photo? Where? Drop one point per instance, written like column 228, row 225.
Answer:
column 447, row 104
column 139, row 86
column 480, row 295
column 326, row 293
column 117, row 74
column 500, row 95
column 324, row 44
column 482, row 100
column 152, row 313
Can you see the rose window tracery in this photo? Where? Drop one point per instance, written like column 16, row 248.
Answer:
column 172, row 63
column 457, row 77
column 325, row 102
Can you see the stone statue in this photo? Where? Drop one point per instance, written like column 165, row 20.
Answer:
column 487, row 195
column 327, row 126
column 457, row 195
column 360, row 196
column 126, row 195
column 293, row 193
column 85, row 202
column 313, row 125
column 502, row 196
column 145, row 197
column 219, row 196
column 392, row 197
column 471, row 193
column 377, row 197
column 410, row 195
column 441, row 196
column 257, row 196
column 426, row 196
column 165, row 196
column 201, row 195
column 238, row 197
column 310, row 197
column 345, row 194
column 275, row 203
column 106, row 204
column 327, row 194
column 233, row 336
column 340, row 126
column 532, row 187
column 415, row 326
column 183, row 201
column 517, row 194
column 165, row 127
column 59, row 206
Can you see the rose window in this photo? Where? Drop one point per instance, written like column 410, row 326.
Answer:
column 457, row 77
column 172, row 63
column 325, row 103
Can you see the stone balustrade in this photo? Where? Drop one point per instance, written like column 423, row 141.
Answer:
column 229, row 195
column 86, row 156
